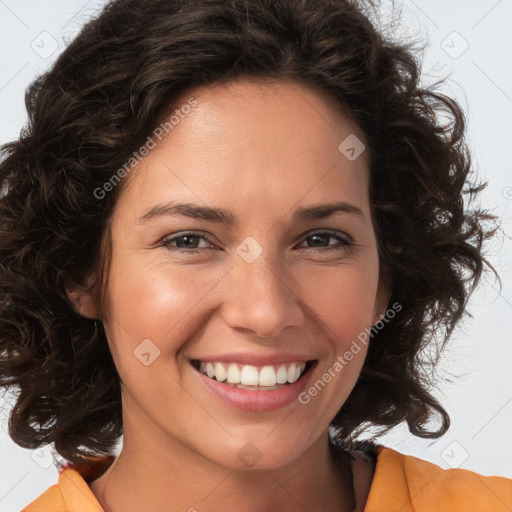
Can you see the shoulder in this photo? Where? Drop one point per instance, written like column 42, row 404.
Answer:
column 70, row 494
column 407, row 483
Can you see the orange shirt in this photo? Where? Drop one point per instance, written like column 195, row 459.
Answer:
column 402, row 483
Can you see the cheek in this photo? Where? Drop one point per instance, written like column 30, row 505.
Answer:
column 152, row 302
column 343, row 299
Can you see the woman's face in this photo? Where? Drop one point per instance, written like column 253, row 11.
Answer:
column 269, row 289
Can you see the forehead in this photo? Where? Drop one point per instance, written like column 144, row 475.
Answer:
column 264, row 144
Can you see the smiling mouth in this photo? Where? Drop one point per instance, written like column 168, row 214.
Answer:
column 254, row 378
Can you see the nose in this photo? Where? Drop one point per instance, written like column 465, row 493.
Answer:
column 261, row 300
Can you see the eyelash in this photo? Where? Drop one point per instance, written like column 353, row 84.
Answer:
column 345, row 244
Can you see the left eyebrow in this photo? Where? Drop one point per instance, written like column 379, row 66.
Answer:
column 220, row 215
column 322, row 211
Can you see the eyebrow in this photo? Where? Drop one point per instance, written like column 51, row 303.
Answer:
column 222, row 216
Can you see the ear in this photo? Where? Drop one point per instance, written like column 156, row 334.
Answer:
column 82, row 299
column 382, row 298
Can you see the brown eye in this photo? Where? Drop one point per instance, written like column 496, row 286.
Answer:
column 186, row 242
column 323, row 237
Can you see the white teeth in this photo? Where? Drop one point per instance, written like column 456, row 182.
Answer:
column 282, row 375
column 292, row 373
column 268, row 376
column 220, row 372
column 210, row 371
column 249, row 375
column 233, row 374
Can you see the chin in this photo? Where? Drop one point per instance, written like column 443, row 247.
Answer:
column 256, row 452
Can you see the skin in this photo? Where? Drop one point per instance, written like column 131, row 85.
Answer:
column 259, row 150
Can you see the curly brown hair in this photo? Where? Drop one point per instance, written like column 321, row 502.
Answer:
column 98, row 103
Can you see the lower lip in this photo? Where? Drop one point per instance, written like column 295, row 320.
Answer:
column 256, row 401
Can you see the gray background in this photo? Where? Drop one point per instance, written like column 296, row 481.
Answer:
column 470, row 41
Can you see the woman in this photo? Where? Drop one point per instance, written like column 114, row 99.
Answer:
column 227, row 233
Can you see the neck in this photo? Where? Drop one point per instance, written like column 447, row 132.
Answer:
column 169, row 476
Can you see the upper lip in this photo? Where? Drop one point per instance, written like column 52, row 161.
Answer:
column 256, row 359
